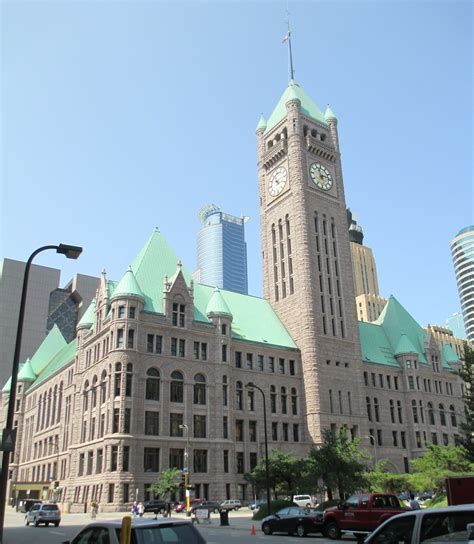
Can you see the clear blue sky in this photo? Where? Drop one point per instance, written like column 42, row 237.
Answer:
column 121, row 116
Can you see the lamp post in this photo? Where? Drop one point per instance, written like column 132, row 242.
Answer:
column 71, row 252
column 251, row 385
column 186, row 467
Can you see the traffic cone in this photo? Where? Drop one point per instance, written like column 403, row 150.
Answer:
column 253, row 531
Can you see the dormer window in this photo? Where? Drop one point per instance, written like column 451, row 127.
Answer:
column 178, row 314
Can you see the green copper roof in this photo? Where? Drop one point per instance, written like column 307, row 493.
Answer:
column 329, row 114
column 375, row 345
column 128, row 286
column 64, row 356
column 308, row 107
column 50, row 346
column 6, row 388
column 87, row 320
column 26, row 374
column 404, row 346
column 217, row 305
column 395, row 321
column 155, row 261
column 262, row 124
column 448, row 357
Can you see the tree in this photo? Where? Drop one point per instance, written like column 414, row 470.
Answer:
column 339, row 463
column 430, row 470
column 167, row 482
column 467, row 426
column 379, row 480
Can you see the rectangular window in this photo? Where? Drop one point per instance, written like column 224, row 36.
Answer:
column 249, row 361
column 224, row 329
column 240, row 462
column 381, row 380
column 434, row 439
column 113, row 458
column 119, row 339
column 152, row 423
column 150, row 340
column 226, row 460
column 274, row 431
column 126, row 492
column 403, row 439
column 379, row 437
column 151, row 459
column 121, row 312
column 90, row 461
column 366, row 378
column 200, row 461
column 131, row 312
column 285, row 432
column 252, row 431
column 175, row 421
column 238, row 359
column 80, row 467
column 130, row 338
column 110, row 493
column 126, row 458
column 373, row 379
column 239, row 430
column 291, row 364
column 196, row 350
column 224, row 353
column 260, row 363
column 127, row 420
column 418, row 439
column 99, row 460
column 174, row 347
column 296, row 432
column 176, row 458
column 116, row 420
column 389, row 382
column 252, row 460
column 395, row 382
column 395, row 438
column 182, row 347
column 271, row 364
column 203, row 351
column 281, row 366
column 225, row 427
column 158, row 343
column 178, row 315
column 199, row 426
column 411, row 382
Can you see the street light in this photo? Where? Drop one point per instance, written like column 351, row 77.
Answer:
column 186, row 466
column 251, row 385
column 71, row 252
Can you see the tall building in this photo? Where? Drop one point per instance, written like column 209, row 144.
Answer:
column 221, row 250
column 462, row 250
column 455, row 322
column 46, row 305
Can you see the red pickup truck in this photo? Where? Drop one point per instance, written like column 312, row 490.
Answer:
column 360, row 514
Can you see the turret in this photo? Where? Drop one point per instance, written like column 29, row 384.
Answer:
column 331, row 120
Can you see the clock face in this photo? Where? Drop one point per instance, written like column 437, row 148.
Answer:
column 321, row 176
column 277, row 181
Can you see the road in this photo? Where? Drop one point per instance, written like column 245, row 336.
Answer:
column 238, row 532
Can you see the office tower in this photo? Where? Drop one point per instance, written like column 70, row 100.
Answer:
column 221, row 250
column 462, row 250
column 455, row 322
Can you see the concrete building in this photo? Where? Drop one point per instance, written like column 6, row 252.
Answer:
column 462, row 250
column 221, row 250
column 157, row 374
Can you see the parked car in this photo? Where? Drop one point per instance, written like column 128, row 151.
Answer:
column 452, row 524
column 293, row 519
column 255, row 505
column 230, row 504
column 424, row 496
column 144, row 531
column 181, row 506
column 360, row 514
column 43, row 513
column 157, row 506
column 25, row 505
column 304, row 501
column 212, row 506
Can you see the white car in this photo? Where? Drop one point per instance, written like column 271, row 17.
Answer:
column 43, row 513
column 144, row 531
column 304, row 501
column 452, row 524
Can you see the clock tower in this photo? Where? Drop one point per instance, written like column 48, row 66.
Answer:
column 307, row 268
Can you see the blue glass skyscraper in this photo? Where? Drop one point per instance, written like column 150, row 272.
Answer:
column 221, row 250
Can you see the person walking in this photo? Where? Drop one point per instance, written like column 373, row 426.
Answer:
column 414, row 504
column 134, row 509
column 94, row 508
column 141, row 509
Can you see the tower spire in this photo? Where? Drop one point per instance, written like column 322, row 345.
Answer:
column 287, row 38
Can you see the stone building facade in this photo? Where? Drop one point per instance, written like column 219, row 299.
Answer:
column 157, row 374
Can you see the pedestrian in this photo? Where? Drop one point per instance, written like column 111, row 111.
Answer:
column 141, row 509
column 168, row 509
column 414, row 504
column 94, row 508
column 134, row 509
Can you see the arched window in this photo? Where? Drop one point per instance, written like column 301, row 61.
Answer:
column 103, row 387
column 128, row 380
column 60, row 402
column 283, row 401
column 85, row 397
column 177, row 387
column 442, row 415
column 239, row 396
column 431, row 417
column 273, row 399
column 199, row 389
column 152, row 384
column 55, row 400
column 94, row 392
column 294, row 401
column 454, row 422
column 117, row 379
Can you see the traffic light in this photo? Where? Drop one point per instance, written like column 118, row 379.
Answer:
column 184, row 479
column 55, row 485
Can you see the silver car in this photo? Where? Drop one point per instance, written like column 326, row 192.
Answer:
column 43, row 513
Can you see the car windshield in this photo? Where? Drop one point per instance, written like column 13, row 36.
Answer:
column 50, row 507
column 167, row 534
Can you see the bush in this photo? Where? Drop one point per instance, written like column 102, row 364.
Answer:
column 439, row 500
column 275, row 505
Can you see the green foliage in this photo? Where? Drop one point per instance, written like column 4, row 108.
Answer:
column 437, row 501
column 167, row 482
column 339, row 463
column 274, row 505
column 381, row 481
column 467, row 426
